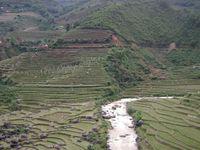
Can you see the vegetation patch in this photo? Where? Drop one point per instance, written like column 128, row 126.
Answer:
column 184, row 57
column 149, row 23
column 8, row 95
column 125, row 67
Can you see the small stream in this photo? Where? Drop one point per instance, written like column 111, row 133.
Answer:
column 122, row 135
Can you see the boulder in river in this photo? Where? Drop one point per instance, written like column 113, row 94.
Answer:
column 131, row 126
column 114, row 108
column 122, row 136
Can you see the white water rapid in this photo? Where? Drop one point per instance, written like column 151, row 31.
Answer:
column 122, row 135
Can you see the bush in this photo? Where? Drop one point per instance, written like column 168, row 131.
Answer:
column 14, row 105
column 138, row 116
column 8, row 96
column 111, row 91
column 90, row 147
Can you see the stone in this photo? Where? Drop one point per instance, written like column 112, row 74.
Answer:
column 122, row 136
column 89, row 117
column 1, row 147
column 2, row 137
column 57, row 147
column 95, row 129
column 75, row 121
column 131, row 126
column 43, row 135
column 114, row 108
column 107, row 117
column 172, row 46
column 139, row 123
column 7, row 125
column 14, row 143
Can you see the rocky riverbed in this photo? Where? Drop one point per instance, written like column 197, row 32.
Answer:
column 122, row 135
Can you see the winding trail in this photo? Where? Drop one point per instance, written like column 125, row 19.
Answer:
column 122, row 136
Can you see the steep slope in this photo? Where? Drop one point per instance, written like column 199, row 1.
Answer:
column 149, row 23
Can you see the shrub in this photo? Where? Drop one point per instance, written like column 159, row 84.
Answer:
column 14, row 105
column 8, row 96
column 137, row 116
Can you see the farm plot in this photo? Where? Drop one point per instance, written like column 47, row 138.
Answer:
column 91, row 35
column 52, row 125
column 180, row 81
column 56, row 92
column 60, row 66
column 27, row 35
column 169, row 123
column 11, row 16
column 85, row 38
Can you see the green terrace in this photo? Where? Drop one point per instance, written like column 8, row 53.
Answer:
column 169, row 124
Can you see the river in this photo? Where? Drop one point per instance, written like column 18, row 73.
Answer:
column 122, row 135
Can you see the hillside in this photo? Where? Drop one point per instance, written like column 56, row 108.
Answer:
column 150, row 23
column 61, row 60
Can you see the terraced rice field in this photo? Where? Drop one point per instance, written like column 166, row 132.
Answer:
column 53, row 124
column 179, row 81
column 37, row 35
column 56, row 92
column 11, row 16
column 91, row 35
column 169, row 123
column 59, row 66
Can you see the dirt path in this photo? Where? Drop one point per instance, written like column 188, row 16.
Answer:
column 122, row 136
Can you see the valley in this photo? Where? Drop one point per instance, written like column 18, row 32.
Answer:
column 65, row 64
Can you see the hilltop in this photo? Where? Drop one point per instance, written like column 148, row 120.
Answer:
column 150, row 23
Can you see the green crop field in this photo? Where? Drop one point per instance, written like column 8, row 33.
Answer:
column 169, row 123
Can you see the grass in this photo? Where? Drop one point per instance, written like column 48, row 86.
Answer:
column 170, row 129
